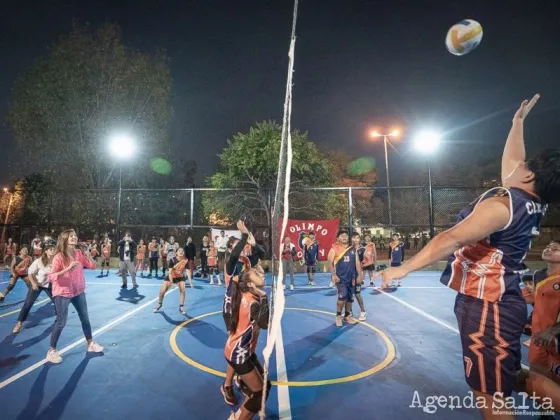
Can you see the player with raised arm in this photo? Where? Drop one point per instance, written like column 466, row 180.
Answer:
column 486, row 252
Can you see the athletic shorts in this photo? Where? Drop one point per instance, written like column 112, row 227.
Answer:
column 396, row 264
column 311, row 268
column 490, row 336
column 175, row 279
column 370, row 267
column 345, row 291
column 246, row 367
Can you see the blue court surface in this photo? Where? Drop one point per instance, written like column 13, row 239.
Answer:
column 169, row 366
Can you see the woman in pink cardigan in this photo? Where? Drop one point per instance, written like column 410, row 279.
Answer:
column 68, row 286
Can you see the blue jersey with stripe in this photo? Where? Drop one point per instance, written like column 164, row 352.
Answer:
column 491, row 269
column 345, row 262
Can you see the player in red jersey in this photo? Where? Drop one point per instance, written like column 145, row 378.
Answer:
column 18, row 269
column 486, row 251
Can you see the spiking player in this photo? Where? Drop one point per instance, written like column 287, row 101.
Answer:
column 343, row 265
column 310, row 249
column 486, row 251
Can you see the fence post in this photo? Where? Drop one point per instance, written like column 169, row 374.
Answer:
column 350, row 211
column 192, row 207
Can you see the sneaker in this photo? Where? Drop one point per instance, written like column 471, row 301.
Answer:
column 331, row 284
column 229, row 395
column 234, row 415
column 284, row 286
column 350, row 320
column 211, row 280
column 362, row 316
column 93, row 347
column 182, row 309
column 124, row 286
column 313, row 283
column 2, row 296
column 399, row 284
column 17, row 328
column 53, row 356
column 291, row 287
column 158, row 307
column 219, row 282
column 338, row 321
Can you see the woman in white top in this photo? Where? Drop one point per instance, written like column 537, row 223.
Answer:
column 37, row 275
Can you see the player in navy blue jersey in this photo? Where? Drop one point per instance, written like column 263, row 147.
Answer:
column 486, row 252
column 343, row 265
column 359, row 280
column 396, row 255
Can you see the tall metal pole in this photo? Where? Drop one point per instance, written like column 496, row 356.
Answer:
column 388, row 183
column 118, row 230
column 432, row 229
column 350, row 212
column 6, row 220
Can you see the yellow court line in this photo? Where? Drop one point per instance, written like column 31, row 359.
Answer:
column 17, row 310
column 374, row 369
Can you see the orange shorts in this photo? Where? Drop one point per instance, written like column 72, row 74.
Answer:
column 545, row 357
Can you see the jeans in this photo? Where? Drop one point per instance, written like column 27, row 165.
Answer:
column 153, row 264
column 61, row 304
column 125, row 266
column 32, row 296
column 288, row 267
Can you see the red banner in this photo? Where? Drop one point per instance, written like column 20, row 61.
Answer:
column 325, row 234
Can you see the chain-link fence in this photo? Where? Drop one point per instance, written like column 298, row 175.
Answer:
column 414, row 212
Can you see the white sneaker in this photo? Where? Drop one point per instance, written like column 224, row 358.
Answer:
column 93, row 347
column 284, row 286
column 211, row 280
column 291, row 287
column 54, row 357
column 233, row 416
column 219, row 282
column 331, row 284
column 362, row 316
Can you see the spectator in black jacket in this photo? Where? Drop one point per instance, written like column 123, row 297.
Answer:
column 190, row 253
column 127, row 252
column 204, row 248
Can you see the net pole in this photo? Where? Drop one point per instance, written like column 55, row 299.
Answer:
column 281, row 202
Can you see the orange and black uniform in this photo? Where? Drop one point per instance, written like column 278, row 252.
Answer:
column 177, row 269
column 241, row 343
column 490, row 309
column 234, row 266
column 21, row 266
column 546, row 313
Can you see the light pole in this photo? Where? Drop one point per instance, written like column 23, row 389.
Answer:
column 6, row 191
column 122, row 147
column 394, row 133
column 427, row 142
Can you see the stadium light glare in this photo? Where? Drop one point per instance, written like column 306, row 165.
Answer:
column 427, row 141
column 122, row 146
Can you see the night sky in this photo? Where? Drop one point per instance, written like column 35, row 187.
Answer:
column 359, row 64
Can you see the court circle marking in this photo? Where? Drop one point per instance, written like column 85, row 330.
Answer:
column 372, row 370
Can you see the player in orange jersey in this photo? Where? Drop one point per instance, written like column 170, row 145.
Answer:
column 18, row 269
column 140, row 256
column 544, row 359
column 249, row 314
column 106, row 255
column 177, row 266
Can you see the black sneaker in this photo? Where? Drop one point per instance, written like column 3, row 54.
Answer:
column 124, row 286
column 229, row 395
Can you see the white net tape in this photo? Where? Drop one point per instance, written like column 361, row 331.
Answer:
column 277, row 301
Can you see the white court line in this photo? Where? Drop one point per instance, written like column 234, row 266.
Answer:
column 284, row 408
column 78, row 342
column 428, row 316
column 91, row 283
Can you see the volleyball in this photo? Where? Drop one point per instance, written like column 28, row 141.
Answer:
column 463, row 37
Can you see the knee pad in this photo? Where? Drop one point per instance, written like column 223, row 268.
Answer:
column 254, row 403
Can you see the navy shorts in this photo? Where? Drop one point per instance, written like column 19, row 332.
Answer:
column 310, row 267
column 490, row 336
column 345, row 291
column 396, row 264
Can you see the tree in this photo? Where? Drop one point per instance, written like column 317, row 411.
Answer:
column 249, row 164
column 89, row 87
